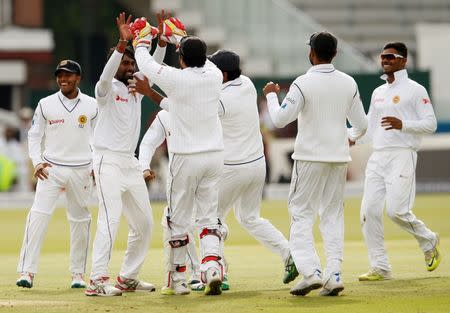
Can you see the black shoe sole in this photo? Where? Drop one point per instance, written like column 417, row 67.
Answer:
column 214, row 288
column 305, row 291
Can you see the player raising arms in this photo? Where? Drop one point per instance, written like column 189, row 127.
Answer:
column 64, row 161
column 195, row 153
column 120, row 185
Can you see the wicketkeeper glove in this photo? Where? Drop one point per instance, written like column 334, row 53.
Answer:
column 173, row 31
column 143, row 32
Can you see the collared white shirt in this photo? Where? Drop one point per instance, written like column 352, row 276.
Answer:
column 321, row 100
column 194, row 98
column 408, row 101
column 240, row 122
column 61, row 130
column 119, row 122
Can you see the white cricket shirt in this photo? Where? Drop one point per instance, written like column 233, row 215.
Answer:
column 153, row 138
column 408, row 101
column 65, row 127
column 194, row 103
column 321, row 100
column 119, row 118
column 240, row 122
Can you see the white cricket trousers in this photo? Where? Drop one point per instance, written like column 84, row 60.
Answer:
column 194, row 182
column 241, row 187
column 121, row 189
column 77, row 183
column 317, row 188
column 391, row 179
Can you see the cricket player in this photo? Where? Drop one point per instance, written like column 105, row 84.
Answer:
column 62, row 161
column 242, row 182
column 321, row 100
column 195, row 154
column 400, row 113
column 158, row 131
column 120, row 185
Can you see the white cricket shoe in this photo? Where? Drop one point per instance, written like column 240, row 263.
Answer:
column 213, row 279
column 176, row 288
column 307, row 284
column 131, row 285
column 25, row 280
column 78, row 281
column 102, row 287
column 333, row 286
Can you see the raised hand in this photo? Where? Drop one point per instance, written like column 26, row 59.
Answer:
column 124, row 27
column 161, row 17
column 271, row 87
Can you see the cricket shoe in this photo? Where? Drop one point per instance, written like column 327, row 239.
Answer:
column 176, row 288
column 290, row 270
column 196, row 285
column 102, row 287
column 333, row 286
column 433, row 257
column 375, row 274
column 213, row 280
column 78, row 281
column 225, row 283
column 132, row 285
column 25, row 280
column 307, row 284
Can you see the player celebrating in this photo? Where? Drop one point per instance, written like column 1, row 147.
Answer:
column 321, row 100
column 119, row 181
column 195, row 152
column 400, row 112
column 60, row 164
column 243, row 178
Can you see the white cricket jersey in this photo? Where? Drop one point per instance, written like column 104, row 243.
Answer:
column 408, row 101
column 240, row 122
column 194, row 97
column 67, row 126
column 321, row 100
column 119, row 119
column 153, row 138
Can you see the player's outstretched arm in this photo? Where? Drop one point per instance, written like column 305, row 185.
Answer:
column 123, row 26
column 152, row 139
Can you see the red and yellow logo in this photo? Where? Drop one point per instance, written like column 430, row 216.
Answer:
column 396, row 99
column 82, row 119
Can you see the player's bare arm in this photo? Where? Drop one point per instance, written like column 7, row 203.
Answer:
column 271, row 87
column 391, row 122
column 40, row 170
column 161, row 17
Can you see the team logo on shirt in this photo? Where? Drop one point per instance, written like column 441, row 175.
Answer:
column 82, row 119
column 119, row 98
column 396, row 99
column 51, row 122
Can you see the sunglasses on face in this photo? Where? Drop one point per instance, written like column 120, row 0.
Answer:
column 391, row 56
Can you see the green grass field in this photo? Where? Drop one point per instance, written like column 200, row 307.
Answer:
column 255, row 273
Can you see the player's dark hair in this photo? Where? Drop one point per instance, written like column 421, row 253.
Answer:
column 129, row 51
column 193, row 51
column 324, row 44
column 232, row 75
column 400, row 47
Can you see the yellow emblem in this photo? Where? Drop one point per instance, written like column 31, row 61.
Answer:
column 82, row 119
column 63, row 62
column 396, row 99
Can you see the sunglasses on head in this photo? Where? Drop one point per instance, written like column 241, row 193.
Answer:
column 391, row 56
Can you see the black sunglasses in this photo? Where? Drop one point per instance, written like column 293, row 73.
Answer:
column 391, row 56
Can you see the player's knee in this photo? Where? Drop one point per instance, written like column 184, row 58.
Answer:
column 178, row 241
column 211, row 231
